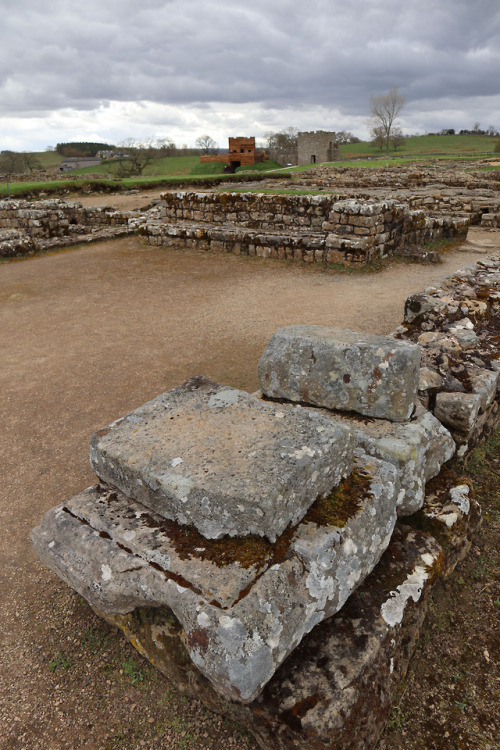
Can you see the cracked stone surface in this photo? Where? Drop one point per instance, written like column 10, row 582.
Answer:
column 237, row 648
column 376, row 376
column 220, row 459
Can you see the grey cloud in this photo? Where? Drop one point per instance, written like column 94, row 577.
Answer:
column 281, row 54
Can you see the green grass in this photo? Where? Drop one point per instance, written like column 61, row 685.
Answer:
column 208, row 167
column 167, row 166
column 217, row 167
column 49, row 159
column 428, row 145
column 58, row 187
column 263, row 166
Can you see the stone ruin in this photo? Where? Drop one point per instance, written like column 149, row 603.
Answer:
column 29, row 227
column 300, row 228
column 305, row 228
column 441, row 190
column 273, row 553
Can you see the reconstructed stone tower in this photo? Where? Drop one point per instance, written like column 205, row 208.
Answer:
column 316, row 147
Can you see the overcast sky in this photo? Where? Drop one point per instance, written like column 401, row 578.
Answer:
column 106, row 70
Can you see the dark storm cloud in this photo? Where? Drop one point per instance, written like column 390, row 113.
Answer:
column 284, row 53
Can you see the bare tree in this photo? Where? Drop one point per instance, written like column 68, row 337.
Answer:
column 284, row 140
column 384, row 110
column 137, row 155
column 206, row 143
column 31, row 162
column 378, row 137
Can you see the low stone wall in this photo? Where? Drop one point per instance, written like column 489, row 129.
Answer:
column 28, row 227
column 490, row 220
column 457, row 327
column 438, row 190
column 318, row 229
column 250, row 210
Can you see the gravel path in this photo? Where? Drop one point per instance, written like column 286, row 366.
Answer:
column 87, row 335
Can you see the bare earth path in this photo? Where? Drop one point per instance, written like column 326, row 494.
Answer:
column 85, row 336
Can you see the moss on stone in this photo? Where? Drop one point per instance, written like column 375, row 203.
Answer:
column 333, row 510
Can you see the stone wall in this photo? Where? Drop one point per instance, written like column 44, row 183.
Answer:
column 27, row 227
column 309, row 228
column 437, row 189
column 456, row 326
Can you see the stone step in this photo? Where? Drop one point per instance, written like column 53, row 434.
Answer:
column 220, row 459
column 336, row 689
column 106, row 553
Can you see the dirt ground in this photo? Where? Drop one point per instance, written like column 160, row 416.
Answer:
column 86, row 335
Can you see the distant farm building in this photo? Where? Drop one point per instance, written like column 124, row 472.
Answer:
column 79, row 162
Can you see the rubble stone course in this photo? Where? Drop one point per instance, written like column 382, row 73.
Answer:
column 41, row 225
column 456, row 326
column 308, row 228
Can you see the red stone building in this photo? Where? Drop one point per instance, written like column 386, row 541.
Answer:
column 241, row 153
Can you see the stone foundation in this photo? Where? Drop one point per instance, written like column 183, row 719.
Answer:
column 29, row 227
column 316, row 229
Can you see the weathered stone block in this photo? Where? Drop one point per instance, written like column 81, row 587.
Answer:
column 222, row 460
column 417, row 449
column 457, row 410
column 339, row 369
column 335, row 690
column 308, row 575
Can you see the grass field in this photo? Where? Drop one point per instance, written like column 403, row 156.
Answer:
column 428, row 145
column 166, row 166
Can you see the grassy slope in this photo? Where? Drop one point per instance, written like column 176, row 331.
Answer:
column 49, row 158
column 168, row 165
column 428, row 145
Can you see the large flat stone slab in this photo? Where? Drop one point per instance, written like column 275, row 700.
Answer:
column 340, row 369
column 336, row 689
column 221, row 460
column 238, row 646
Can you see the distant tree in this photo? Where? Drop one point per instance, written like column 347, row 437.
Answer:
column 397, row 138
column 81, row 148
column 207, row 144
column 165, row 146
column 447, row 131
column 492, row 130
column 136, row 157
column 345, row 136
column 284, row 140
column 31, row 162
column 11, row 162
column 384, row 111
column 378, row 137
